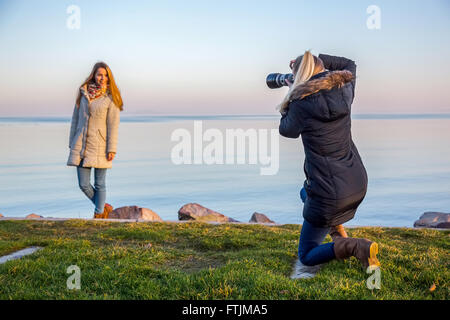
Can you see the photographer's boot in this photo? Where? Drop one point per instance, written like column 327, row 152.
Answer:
column 338, row 231
column 363, row 249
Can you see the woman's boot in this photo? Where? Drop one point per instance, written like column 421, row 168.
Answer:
column 363, row 249
column 99, row 215
column 106, row 211
column 338, row 231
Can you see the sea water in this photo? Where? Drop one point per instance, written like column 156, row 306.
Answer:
column 407, row 158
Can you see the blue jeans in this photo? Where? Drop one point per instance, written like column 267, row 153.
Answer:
column 303, row 195
column 311, row 251
column 96, row 194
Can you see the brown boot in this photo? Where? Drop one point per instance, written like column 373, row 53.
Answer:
column 99, row 215
column 338, row 231
column 106, row 210
column 363, row 249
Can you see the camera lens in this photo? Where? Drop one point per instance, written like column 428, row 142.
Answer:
column 277, row 80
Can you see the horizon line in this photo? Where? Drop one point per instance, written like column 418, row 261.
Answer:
column 224, row 115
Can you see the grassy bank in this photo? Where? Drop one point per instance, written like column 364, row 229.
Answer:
column 205, row 261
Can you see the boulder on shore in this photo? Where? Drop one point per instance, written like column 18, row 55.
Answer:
column 433, row 220
column 260, row 218
column 134, row 212
column 194, row 211
column 33, row 216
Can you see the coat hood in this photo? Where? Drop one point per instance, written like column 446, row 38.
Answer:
column 84, row 92
column 330, row 105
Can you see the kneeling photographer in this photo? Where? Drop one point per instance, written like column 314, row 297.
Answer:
column 318, row 107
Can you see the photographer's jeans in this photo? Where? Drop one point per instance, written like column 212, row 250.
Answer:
column 96, row 194
column 303, row 195
column 311, row 251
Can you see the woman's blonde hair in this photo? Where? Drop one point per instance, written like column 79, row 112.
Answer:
column 304, row 67
column 114, row 91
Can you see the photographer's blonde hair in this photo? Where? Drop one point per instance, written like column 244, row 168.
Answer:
column 304, row 68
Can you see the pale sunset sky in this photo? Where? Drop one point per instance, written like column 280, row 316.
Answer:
column 212, row 57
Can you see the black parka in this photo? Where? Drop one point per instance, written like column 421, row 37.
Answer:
column 319, row 111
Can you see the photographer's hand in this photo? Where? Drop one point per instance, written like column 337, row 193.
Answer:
column 288, row 83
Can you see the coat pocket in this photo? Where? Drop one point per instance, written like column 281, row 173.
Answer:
column 101, row 135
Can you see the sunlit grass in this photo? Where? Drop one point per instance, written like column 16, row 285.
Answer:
column 207, row 261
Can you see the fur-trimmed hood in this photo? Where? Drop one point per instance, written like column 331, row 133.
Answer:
column 330, row 80
column 331, row 104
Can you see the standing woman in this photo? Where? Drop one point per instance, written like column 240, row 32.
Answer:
column 93, row 134
column 318, row 107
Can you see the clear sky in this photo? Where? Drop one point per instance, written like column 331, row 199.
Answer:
column 212, row 57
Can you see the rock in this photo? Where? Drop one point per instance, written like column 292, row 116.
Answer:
column 260, row 218
column 134, row 212
column 433, row 220
column 19, row 254
column 194, row 211
column 33, row 216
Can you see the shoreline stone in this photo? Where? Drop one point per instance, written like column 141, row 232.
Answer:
column 432, row 219
column 34, row 216
column 197, row 212
column 135, row 213
column 260, row 218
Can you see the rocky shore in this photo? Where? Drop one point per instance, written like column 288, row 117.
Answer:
column 197, row 212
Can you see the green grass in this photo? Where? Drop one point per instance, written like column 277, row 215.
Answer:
column 206, row 261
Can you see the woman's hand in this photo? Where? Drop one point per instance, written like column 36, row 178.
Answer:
column 111, row 156
column 291, row 65
column 288, row 83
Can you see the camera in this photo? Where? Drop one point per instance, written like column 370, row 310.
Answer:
column 277, row 80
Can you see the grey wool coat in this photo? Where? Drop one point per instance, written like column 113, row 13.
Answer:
column 93, row 131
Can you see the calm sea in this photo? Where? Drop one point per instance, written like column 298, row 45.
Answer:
column 407, row 158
